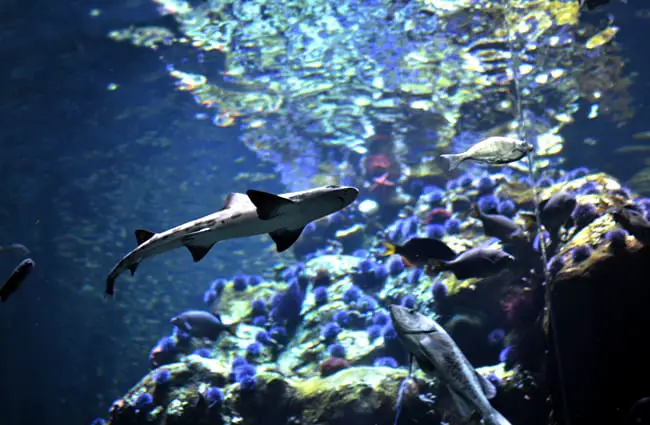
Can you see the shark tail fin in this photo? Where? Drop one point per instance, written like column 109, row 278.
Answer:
column 390, row 249
column 142, row 235
column 452, row 160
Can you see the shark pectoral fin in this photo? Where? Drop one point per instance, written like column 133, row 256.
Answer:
column 284, row 238
column 132, row 268
column 464, row 410
column 142, row 235
column 198, row 251
column 488, row 388
column 268, row 205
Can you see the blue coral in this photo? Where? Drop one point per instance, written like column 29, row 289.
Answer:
column 241, row 369
column 380, row 318
column 370, row 274
column 465, row 181
column 577, row 173
column 616, row 238
column 161, row 376
column 584, row 214
column 485, row 185
column 408, row 301
column 263, row 337
column 213, row 396
column 330, row 331
column 414, row 276
column 258, row 306
column 506, row 207
column 488, row 204
column 385, row 362
column 452, row 226
column 435, row 231
column 439, row 290
column 580, row 253
column 434, row 195
column 351, row 295
column 203, row 352
column 255, row 280
column 395, row 265
column 279, row 334
column 240, row 283
column 374, row 332
column 367, row 304
column 260, row 321
column 389, row 333
column 545, row 182
column 254, row 349
column 143, row 402
column 320, row 295
column 210, row 296
column 336, row 350
column 341, row 317
column 247, row 384
column 286, row 305
column 217, row 285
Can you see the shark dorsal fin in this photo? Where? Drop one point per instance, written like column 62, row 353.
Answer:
column 234, row 199
column 198, row 251
column 142, row 235
column 284, row 238
column 268, row 205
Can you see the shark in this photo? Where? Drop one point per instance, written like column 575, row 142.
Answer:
column 437, row 354
column 255, row 212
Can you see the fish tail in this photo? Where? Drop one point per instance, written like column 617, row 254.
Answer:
column 390, row 249
column 232, row 329
column 453, row 160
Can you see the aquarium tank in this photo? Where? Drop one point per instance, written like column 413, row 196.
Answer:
column 316, row 212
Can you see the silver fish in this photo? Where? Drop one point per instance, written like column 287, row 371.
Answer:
column 281, row 216
column 493, row 150
column 437, row 354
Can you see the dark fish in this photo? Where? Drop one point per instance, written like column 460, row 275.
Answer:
column 554, row 212
column 634, row 222
column 437, row 354
column 475, row 262
column 499, row 226
column 202, row 324
column 420, row 251
column 16, row 279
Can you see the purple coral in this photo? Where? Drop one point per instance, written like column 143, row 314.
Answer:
column 320, row 295
column 341, row 317
column 580, row 253
column 439, row 290
column 385, row 362
column 259, row 307
column 352, row 295
column 485, row 185
column 240, row 283
column 584, row 214
column 507, row 208
column 452, row 226
column 395, row 265
column 254, row 349
column 488, row 204
column 374, row 332
column 336, row 350
column 143, row 402
column 616, row 238
column 286, row 305
column 330, row 331
column 435, row 231
column 408, row 301
column 161, row 376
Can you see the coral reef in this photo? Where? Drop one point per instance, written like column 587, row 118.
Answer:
column 314, row 342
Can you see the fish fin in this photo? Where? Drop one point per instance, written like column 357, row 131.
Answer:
column 142, row 235
column 284, row 238
column 234, row 199
column 198, row 251
column 232, row 329
column 529, row 220
column 488, row 387
column 464, row 410
column 268, row 205
column 407, row 263
column 133, row 267
column 453, row 160
column 390, row 249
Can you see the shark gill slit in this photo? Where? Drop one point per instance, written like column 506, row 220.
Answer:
column 521, row 134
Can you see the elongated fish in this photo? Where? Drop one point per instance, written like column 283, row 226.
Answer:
column 17, row 278
column 437, row 354
column 281, row 216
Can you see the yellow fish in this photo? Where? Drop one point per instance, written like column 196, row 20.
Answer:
column 603, row 37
